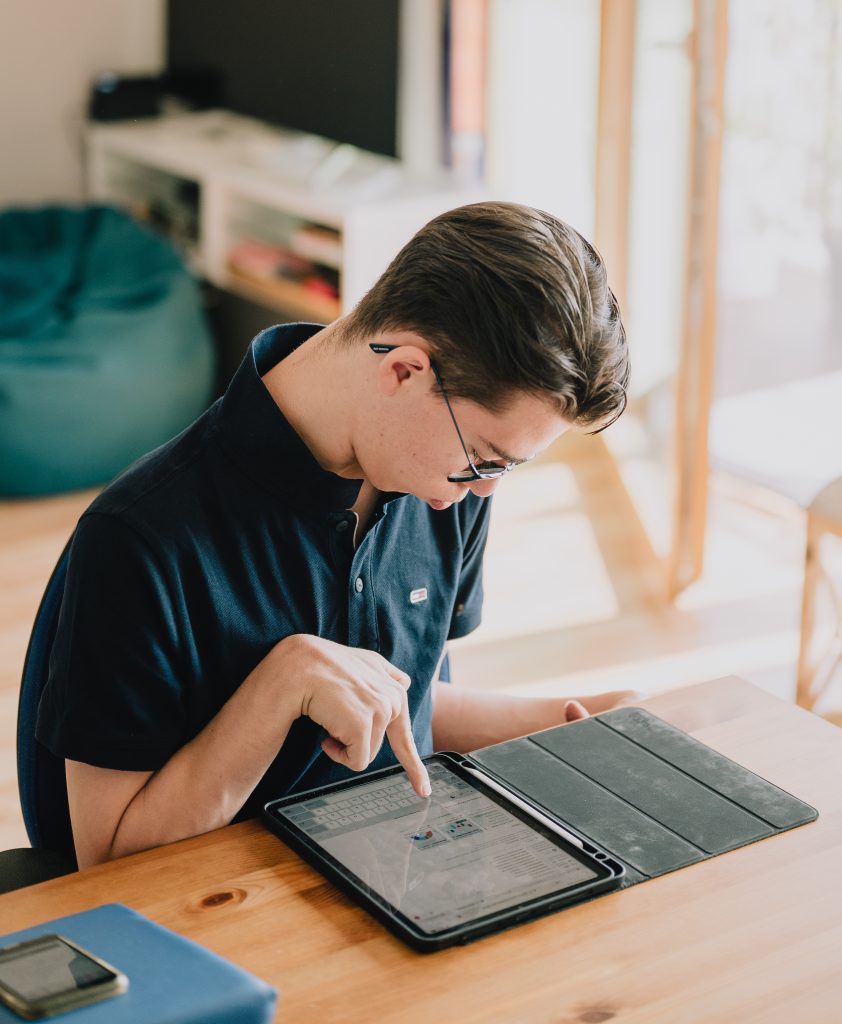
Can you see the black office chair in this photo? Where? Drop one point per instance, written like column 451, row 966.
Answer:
column 41, row 781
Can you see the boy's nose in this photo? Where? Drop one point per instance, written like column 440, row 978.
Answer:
column 484, row 488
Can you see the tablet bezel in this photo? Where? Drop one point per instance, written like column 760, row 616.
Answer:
column 610, row 872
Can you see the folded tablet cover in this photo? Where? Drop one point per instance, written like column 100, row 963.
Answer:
column 171, row 979
column 646, row 792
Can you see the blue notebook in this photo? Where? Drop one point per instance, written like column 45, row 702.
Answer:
column 171, row 979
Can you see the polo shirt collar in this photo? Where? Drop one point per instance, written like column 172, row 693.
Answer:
column 257, row 436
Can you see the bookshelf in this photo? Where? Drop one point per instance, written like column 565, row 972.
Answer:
column 294, row 222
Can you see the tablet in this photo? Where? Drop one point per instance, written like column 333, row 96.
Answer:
column 471, row 859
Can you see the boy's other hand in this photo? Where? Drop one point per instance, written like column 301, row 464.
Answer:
column 573, row 711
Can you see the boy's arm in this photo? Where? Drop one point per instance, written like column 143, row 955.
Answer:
column 465, row 720
column 356, row 695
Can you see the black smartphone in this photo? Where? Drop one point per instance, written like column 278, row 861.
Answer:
column 49, row 975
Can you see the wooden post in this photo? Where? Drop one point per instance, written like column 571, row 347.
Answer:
column 695, row 374
column 613, row 144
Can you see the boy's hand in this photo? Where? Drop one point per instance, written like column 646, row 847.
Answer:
column 573, row 711
column 357, row 696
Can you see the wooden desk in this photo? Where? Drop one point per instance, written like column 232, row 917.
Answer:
column 754, row 935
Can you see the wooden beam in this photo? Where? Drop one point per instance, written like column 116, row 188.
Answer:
column 613, row 144
column 695, row 373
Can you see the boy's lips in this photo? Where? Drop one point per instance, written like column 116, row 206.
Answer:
column 438, row 505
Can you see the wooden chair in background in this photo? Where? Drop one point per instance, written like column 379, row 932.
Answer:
column 816, row 670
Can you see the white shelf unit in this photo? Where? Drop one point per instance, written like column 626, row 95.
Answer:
column 226, row 179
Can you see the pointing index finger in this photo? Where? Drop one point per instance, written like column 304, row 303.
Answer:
column 403, row 745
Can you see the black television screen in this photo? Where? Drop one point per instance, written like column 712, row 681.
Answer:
column 329, row 67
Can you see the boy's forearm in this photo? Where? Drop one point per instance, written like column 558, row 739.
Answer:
column 465, row 720
column 354, row 694
column 206, row 782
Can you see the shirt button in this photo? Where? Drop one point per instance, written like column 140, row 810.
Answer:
column 342, row 526
column 358, row 585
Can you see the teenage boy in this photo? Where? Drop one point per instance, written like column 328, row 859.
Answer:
column 252, row 608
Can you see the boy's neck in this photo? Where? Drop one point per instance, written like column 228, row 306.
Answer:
column 315, row 387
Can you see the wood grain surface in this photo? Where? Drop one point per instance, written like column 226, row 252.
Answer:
column 752, row 935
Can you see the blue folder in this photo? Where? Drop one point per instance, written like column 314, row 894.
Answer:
column 171, row 979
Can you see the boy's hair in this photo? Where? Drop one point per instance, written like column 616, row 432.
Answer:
column 510, row 299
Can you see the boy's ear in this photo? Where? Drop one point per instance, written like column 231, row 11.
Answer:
column 399, row 366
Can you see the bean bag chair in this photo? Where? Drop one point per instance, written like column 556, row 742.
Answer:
column 104, row 349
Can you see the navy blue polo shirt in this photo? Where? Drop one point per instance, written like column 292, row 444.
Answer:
column 188, row 569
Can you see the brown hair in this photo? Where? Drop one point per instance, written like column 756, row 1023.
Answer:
column 509, row 299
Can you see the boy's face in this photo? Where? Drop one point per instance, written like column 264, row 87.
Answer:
column 410, row 444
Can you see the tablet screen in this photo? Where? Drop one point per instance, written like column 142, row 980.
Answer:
column 444, row 861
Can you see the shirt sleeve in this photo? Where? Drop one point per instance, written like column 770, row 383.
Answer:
column 112, row 697
column 467, row 611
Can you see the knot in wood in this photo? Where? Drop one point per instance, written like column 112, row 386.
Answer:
column 219, row 899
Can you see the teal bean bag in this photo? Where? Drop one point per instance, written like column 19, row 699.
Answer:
column 104, row 349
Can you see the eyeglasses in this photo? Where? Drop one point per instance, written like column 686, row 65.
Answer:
column 475, row 470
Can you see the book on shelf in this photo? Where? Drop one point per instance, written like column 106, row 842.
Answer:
column 269, row 261
column 319, row 244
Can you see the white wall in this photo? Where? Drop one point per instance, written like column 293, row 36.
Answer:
column 420, row 86
column 50, row 50
column 543, row 64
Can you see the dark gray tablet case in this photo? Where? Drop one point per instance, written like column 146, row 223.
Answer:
column 644, row 791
